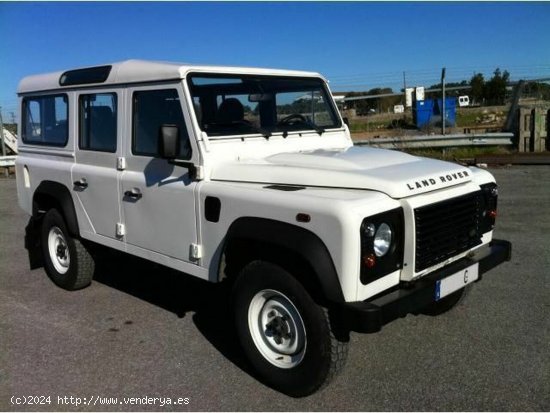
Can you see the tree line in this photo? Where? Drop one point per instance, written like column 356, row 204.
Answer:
column 491, row 92
column 481, row 91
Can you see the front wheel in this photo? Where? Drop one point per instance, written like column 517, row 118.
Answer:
column 287, row 337
column 67, row 261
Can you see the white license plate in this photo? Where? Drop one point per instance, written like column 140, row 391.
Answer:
column 455, row 282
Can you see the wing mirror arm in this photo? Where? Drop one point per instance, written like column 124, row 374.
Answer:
column 186, row 164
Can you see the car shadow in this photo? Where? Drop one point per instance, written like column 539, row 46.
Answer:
column 178, row 293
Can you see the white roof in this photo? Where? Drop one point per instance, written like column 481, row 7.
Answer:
column 132, row 71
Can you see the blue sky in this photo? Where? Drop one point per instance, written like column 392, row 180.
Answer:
column 358, row 46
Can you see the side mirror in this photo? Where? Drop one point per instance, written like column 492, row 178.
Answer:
column 169, row 149
column 346, row 121
column 169, row 141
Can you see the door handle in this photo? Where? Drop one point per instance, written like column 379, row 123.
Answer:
column 134, row 194
column 81, row 184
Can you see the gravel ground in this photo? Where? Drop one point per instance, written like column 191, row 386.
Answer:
column 140, row 330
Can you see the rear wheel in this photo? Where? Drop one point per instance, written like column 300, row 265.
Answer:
column 67, row 261
column 287, row 337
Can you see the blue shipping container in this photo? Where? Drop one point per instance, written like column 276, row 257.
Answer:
column 428, row 112
column 450, row 110
column 422, row 112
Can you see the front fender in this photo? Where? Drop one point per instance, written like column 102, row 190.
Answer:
column 296, row 239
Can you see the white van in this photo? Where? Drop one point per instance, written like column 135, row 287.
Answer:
column 463, row 101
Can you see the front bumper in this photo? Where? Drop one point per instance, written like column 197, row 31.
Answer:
column 369, row 316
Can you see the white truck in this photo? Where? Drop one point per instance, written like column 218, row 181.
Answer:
column 250, row 177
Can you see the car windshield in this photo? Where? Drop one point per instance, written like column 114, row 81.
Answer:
column 247, row 104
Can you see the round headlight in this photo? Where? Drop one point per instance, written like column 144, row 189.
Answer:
column 382, row 240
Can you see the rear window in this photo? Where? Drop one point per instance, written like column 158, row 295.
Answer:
column 98, row 122
column 45, row 120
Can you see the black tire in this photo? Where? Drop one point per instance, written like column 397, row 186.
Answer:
column 73, row 267
column 323, row 351
column 447, row 303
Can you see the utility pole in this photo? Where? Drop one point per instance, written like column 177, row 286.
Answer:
column 443, row 113
column 2, row 133
column 404, row 94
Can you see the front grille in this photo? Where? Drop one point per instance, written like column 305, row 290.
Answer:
column 446, row 228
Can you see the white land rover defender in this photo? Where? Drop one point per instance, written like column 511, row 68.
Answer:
column 249, row 176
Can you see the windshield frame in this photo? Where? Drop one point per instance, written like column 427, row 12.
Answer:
column 326, row 94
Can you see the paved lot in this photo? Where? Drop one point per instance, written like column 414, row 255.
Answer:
column 141, row 330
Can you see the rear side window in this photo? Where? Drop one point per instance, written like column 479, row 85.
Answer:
column 152, row 109
column 98, row 122
column 45, row 120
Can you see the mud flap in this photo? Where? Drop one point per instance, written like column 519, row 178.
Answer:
column 32, row 243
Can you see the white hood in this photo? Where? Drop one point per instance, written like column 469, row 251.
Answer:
column 395, row 173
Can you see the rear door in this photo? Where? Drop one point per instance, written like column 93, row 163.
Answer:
column 95, row 175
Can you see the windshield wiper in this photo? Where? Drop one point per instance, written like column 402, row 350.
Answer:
column 264, row 132
column 228, row 129
column 316, row 128
column 312, row 125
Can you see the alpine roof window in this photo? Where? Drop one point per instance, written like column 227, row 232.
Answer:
column 85, row 76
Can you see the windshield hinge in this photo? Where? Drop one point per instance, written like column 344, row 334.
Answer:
column 199, row 172
column 205, row 141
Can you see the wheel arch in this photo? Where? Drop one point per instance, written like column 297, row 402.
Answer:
column 250, row 238
column 50, row 194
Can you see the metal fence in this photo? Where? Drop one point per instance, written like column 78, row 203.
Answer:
column 440, row 141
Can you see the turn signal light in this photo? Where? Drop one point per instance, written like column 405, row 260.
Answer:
column 301, row 217
column 369, row 260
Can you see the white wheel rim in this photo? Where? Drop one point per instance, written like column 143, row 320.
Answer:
column 59, row 250
column 277, row 329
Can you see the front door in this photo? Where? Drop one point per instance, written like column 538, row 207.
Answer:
column 158, row 203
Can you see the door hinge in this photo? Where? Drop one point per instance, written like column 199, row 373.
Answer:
column 120, row 230
column 121, row 163
column 199, row 172
column 195, row 252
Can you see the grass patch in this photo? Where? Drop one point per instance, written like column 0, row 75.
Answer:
column 381, row 121
column 368, row 126
column 467, row 118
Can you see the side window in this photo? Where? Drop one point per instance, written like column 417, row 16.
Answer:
column 98, row 122
column 152, row 109
column 45, row 120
